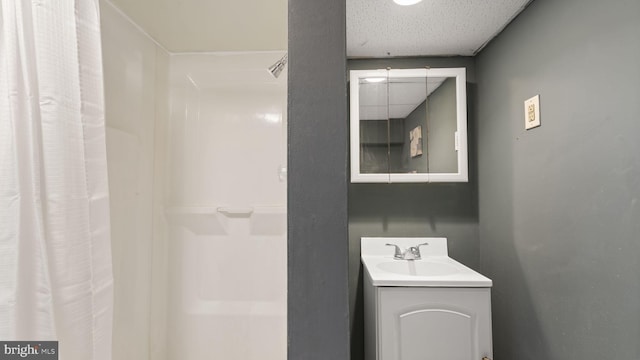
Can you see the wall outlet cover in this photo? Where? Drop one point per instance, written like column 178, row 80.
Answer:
column 532, row 112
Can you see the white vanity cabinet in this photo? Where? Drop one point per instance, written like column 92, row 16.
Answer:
column 421, row 323
column 430, row 308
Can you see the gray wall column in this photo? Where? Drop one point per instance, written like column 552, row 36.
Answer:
column 318, row 316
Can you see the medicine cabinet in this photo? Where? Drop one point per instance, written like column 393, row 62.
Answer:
column 408, row 125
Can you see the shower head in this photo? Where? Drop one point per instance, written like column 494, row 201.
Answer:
column 279, row 65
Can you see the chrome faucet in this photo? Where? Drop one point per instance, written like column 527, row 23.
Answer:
column 411, row 253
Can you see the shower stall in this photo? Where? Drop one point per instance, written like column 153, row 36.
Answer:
column 226, row 208
column 196, row 147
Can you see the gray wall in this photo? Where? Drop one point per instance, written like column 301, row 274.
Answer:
column 318, row 317
column 560, row 204
column 413, row 209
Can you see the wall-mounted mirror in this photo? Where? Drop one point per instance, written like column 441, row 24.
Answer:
column 408, row 125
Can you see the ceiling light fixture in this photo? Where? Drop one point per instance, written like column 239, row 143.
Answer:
column 406, row 2
column 375, row 79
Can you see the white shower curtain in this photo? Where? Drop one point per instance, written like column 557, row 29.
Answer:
column 55, row 257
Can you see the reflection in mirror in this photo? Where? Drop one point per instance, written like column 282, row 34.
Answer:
column 426, row 109
column 408, row 98
column 441, row 125
column 408, row 123
column 374, row 127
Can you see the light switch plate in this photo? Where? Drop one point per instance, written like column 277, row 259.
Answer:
column 532, row 112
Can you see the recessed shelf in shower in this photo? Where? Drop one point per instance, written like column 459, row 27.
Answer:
column 269, row 220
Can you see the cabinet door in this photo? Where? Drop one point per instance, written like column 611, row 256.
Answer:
column 434, row 323
column 370, row 127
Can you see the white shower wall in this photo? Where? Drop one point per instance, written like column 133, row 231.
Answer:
column 136, row 109
column 196, row 147
column 226, row 210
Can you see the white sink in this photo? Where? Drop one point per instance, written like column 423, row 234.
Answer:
column 434, row 269
column 418, row 268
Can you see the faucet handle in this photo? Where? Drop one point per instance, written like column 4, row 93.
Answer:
column 398, row 252
column 418, row 255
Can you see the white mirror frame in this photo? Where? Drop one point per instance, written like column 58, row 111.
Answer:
column 461, row 135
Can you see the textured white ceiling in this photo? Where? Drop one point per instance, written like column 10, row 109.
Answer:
column 375, row 28
column 211, row 25
column 381, row 28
